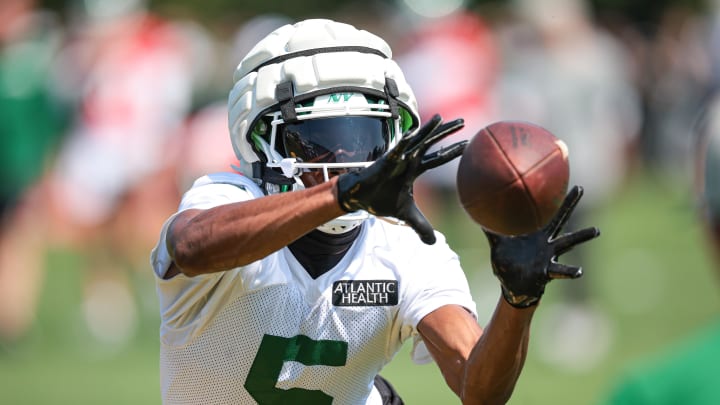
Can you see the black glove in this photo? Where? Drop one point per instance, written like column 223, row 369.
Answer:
column 525, row 263
column 385, row 188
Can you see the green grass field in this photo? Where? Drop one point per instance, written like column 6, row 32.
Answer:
column 649, row 276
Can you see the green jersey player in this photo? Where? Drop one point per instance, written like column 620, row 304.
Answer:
column 293, row 280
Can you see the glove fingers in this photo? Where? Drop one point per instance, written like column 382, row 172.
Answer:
column 568, row 241
column 420, row 224
column 563, row 214
column 444, row 130
column 559, row 270
column 438, row 133
column 442, row 156
column 410, row 141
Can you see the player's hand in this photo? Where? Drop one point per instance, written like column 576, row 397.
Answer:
column 525, row 263
column 385, row 188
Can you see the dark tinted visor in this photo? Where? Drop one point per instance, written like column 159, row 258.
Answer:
column 336, row 139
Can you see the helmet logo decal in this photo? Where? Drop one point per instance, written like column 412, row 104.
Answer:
column 336, row 97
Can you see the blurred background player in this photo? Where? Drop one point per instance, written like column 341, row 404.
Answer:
column 32, row 124
column 113, row 178
column 562, row 71
column 461, row 46
column 687, row 371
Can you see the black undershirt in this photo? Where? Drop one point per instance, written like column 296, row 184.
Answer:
column 319, row 252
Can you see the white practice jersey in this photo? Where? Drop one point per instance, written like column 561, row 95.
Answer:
column 269, row 333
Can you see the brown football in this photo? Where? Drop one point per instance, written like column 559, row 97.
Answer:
column 512, row 177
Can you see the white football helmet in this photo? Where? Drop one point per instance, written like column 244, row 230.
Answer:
column 317, row 95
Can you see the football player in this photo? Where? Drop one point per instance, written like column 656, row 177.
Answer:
column 295, row 281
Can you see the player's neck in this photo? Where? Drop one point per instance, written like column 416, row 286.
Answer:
column 318, row 252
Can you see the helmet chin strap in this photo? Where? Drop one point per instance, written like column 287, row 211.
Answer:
column 344, row 224
column 347, row 223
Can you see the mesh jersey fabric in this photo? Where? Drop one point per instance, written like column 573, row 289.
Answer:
column 267, row 332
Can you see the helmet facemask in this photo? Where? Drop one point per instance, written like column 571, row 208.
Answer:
column 339, row 132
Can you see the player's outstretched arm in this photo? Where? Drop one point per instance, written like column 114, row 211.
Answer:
column 233, row 235
column 482, row 366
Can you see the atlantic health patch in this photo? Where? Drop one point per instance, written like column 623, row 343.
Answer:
column 365, row 293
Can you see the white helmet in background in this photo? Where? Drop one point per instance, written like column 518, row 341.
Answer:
column 317, row 95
